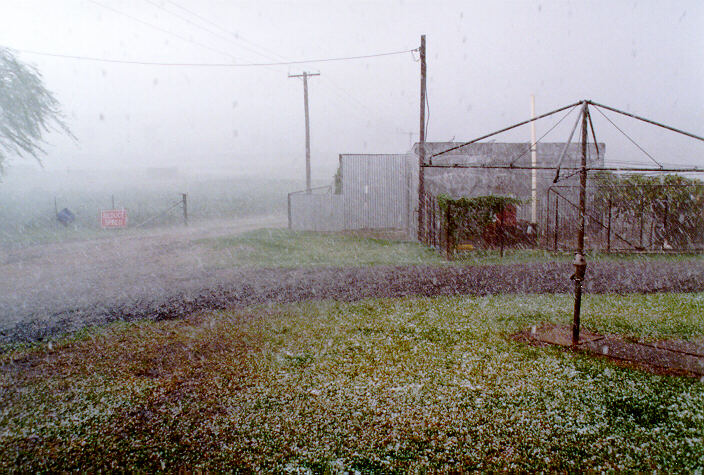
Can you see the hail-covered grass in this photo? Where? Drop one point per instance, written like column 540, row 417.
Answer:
column 285, row 248
column 382, row 385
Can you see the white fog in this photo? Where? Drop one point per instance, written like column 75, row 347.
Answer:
column 351, row 236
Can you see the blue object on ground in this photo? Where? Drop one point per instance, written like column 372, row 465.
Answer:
column 65, row 217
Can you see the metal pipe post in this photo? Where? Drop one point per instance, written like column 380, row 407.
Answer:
column 289, row 210
column 184, row 198
column 580, row 263
column 557, row 222
column 608, row 229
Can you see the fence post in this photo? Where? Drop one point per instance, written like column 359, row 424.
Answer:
column 449, row 231
column 547, row 220
column 184, row 198
column 431, row 222
column 557, row 221
column 640, row 239
column 428, row 213
column 664, row 223
column 501, row 229
column 289, row 210
column 608, row 229
column 436, row 237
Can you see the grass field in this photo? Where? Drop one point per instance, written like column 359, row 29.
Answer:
column 374, row 386
column 381, row 385
column 284, row 248
column 27, row 214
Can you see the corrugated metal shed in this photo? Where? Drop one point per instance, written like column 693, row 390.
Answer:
column 315, row 211
column 377, row 191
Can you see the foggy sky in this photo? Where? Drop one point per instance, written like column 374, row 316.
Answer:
column 484, row 61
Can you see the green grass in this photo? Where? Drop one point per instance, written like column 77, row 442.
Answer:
column 284, row 248
column 379, row 385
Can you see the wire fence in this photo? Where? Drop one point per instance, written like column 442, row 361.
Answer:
column 627, row 213
column 627, row 217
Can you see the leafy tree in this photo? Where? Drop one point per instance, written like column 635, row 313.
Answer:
column 27, row 109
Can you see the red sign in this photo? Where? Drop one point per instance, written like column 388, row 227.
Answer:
column 113, row 218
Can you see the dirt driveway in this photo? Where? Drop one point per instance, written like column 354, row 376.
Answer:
column 58, row 278
column 58, row 288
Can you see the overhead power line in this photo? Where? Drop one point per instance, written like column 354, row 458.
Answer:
column 209, row 65
column 157, row 28
column 224, row 36
column 234, row 36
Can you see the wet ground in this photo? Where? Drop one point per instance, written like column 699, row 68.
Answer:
column 60, row 288
column 668, row 356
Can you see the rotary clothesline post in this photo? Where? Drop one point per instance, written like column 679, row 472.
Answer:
column 580, row 264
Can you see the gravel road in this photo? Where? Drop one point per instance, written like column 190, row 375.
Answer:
column 59, row 288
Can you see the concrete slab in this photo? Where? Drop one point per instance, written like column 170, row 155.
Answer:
column 561, row 334
column 695, row 347
column 670, row 356
column 645, row 354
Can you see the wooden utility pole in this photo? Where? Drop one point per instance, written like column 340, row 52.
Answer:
column 421, row 146
column 305, row 77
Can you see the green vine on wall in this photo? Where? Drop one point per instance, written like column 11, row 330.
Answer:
column 489, row 203
column 471, row 217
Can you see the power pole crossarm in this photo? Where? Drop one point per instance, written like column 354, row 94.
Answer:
column 305, row 77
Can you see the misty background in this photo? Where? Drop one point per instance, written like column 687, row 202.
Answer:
column 484, row 61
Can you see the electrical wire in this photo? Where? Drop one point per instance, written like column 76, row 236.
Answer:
column 211, row 65
column 157, row 28
column 227, row 32
column 362, row 112
column 227, row 37
column 189, row 40
column 351, row 98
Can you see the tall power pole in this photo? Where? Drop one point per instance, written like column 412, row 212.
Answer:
column 305, row 77
column 421, row 145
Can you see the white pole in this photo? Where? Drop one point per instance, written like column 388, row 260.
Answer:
column 534, row 162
